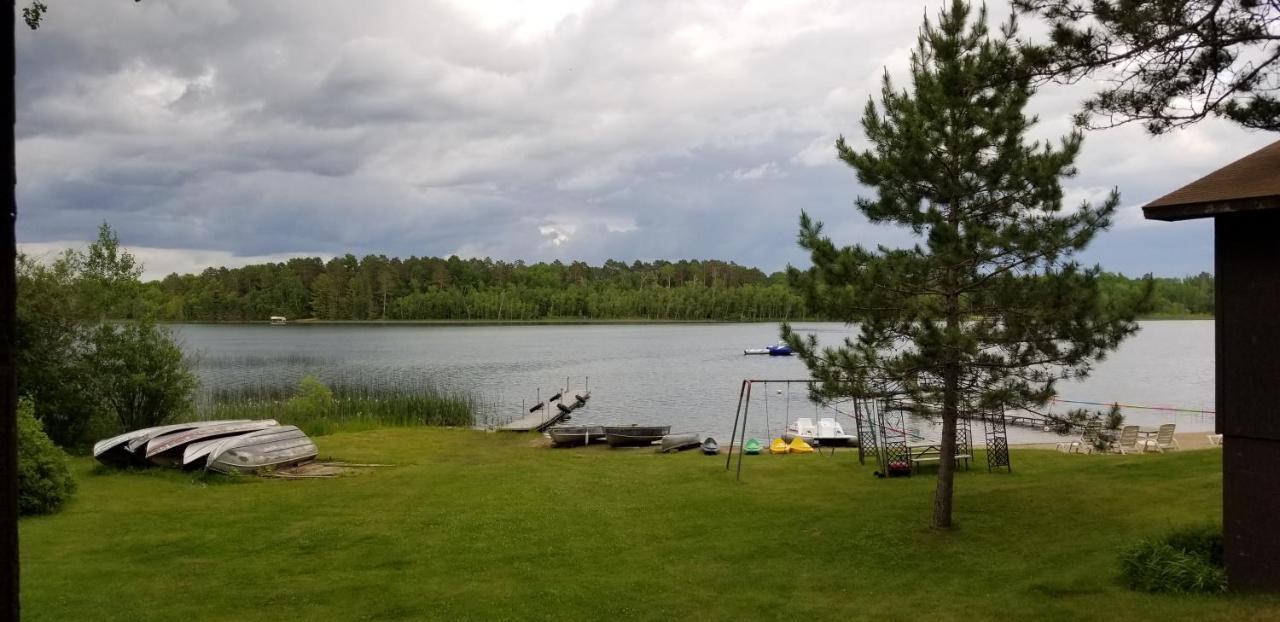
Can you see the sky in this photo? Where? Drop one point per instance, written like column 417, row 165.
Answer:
column 221, row 132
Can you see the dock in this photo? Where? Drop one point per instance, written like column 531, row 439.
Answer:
column 545, row 417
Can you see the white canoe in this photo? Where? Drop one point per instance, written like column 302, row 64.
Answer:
column 269, row 448
column 167, row 450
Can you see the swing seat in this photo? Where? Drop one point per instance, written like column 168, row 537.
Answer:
column 778, row 446
column 798, row 446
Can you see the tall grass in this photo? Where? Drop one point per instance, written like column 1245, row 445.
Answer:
column 319, row 410
column 1188, row 561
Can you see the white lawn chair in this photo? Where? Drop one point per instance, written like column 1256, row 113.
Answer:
column 1088, row 439
column 1164, row 438
column 1129, row 440
column 1215, row 440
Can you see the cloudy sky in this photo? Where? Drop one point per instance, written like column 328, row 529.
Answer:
column 219, row 132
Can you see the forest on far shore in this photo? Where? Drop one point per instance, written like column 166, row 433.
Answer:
column 433, row 288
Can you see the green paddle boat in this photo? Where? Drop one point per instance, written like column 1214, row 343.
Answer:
column 752, row 447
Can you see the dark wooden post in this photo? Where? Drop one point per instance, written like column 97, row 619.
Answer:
column 1243, row 198
column 1247, row 308
column 8, row 377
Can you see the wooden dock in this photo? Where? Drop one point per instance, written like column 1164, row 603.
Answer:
column 545, row 417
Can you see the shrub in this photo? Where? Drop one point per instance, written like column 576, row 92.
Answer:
column 140, row 374
column 44, row 482
column 313, row 399
column 1184, row 562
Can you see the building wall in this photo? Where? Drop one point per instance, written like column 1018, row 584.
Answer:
column 1247, row 257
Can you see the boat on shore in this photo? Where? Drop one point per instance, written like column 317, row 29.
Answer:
column 680, row 442
column 121, row 449
column 167, row 450
column 570, row 436
column 635, row 435
column 710, row 446
column 269, row 448
column 752, row 447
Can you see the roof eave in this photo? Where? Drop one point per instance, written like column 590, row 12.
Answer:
column 1209, row 209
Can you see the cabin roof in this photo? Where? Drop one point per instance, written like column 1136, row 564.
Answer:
column 1248, row 184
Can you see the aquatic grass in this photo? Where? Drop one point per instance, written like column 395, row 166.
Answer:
column 477, row 526
column 347, row 407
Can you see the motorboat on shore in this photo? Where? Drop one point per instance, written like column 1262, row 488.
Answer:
column 680, row 442
column 831, row 434
column 635, row 435
column 570, row 436
column 269, row 448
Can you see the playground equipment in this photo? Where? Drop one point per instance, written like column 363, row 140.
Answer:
column 881, row 432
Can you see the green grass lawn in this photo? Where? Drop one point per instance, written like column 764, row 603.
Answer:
column 486, row 526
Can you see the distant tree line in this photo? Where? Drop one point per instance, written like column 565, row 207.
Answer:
column 433, row 288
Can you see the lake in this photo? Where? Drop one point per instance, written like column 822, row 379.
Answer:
column 685, row 375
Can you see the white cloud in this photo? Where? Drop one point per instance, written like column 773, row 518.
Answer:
column 259, row 129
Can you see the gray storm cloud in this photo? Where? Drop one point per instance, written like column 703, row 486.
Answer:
column 208, row 131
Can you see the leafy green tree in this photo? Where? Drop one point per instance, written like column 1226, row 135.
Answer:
column 1171, row 62
column 988, row 309
column 139, row 373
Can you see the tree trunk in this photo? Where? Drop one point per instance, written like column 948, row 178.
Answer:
column 947, row 459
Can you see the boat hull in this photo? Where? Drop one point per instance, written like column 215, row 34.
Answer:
column 168, row 450
column 680, row 442
column 635, row 436
column 276, row 447
column 572, row 436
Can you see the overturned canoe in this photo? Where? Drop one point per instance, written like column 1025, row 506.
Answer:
column 710, row 446
column 196, row 454
column 122, row 448
column 569, row 436
column 679, row 442
column 635, row 435
column 167, row 450
column 269, row 448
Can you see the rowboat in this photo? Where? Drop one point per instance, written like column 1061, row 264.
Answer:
column 120, row 449
column 635, row 435
column 196, row 454
column 680, row 442
column 273, row 447
column 167, row 450
column 569, row 436
column 710, row 446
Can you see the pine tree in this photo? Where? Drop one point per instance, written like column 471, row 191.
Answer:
column 988, row 309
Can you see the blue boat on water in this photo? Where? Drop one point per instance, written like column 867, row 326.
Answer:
column 779, row 349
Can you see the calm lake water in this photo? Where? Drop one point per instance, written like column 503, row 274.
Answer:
column 685, row 375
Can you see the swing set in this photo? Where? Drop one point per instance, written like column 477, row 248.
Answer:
column 881, row 431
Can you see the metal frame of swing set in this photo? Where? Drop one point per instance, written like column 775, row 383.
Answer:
column 885, row 447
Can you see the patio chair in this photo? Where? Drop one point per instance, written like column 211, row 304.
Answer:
column 1164, row 438
column 1215, row 440
column 1088, row 439
column 1128, row 440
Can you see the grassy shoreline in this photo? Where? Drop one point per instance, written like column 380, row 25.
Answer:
column 471, row 525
